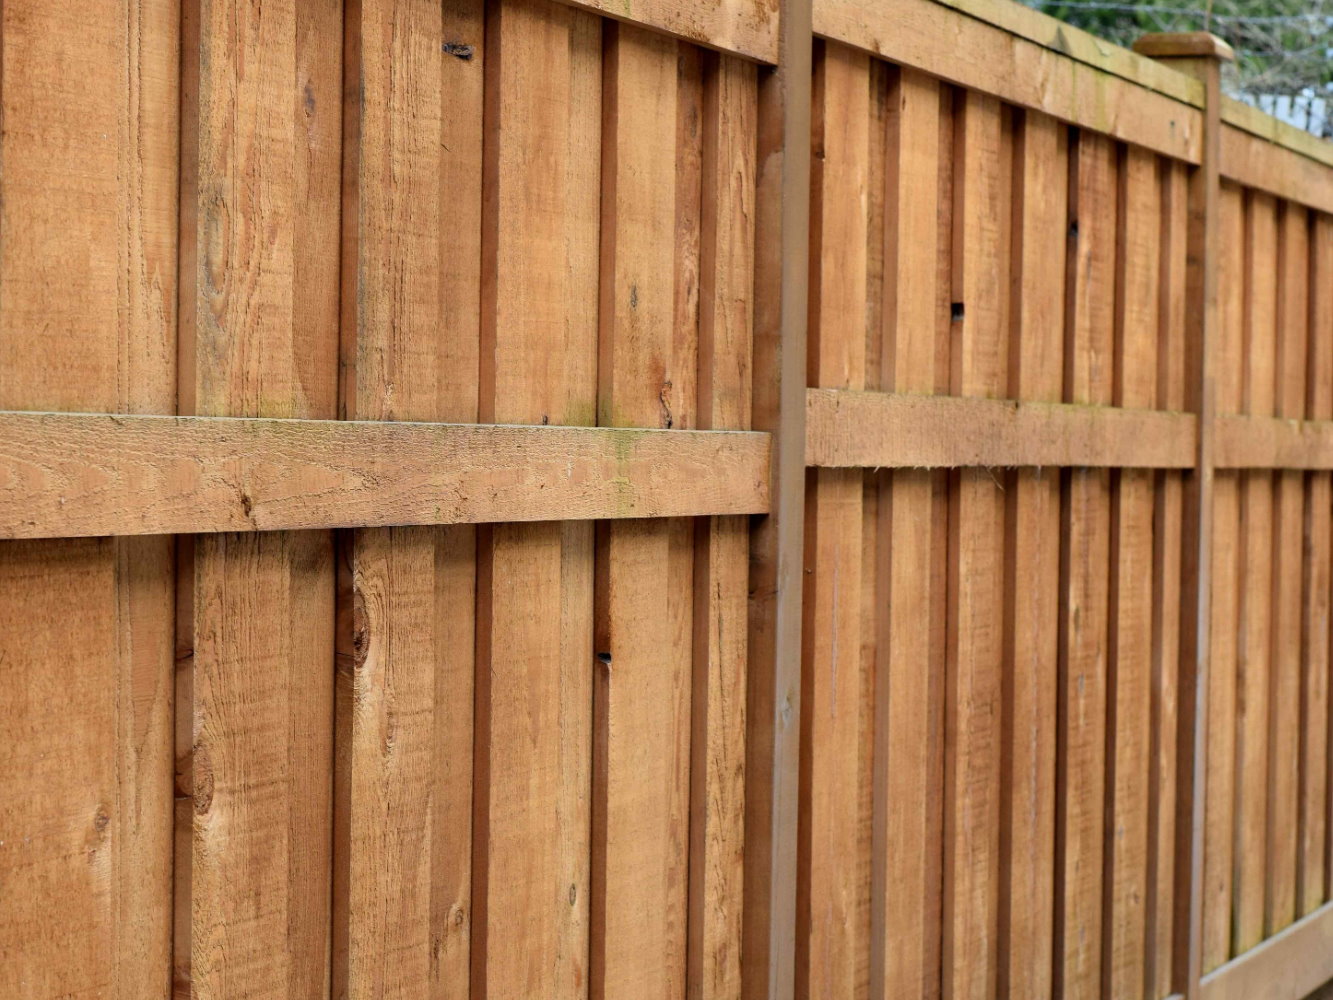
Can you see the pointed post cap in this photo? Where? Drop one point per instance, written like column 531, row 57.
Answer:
column 1184, row 45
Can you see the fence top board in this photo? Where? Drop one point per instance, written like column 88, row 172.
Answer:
column 746, row 28
column 876, row 25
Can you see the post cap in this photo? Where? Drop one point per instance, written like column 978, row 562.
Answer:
column 1184, row 45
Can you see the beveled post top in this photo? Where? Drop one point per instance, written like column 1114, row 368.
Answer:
column 1184, row 45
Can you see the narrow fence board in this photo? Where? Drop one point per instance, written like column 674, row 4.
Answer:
column 640, row 841
column 846, row 428
column 721, row 585
column 258, row 306
column 1129, row 695
column 534, row 623
column 1171, row 580
column 1288, row 966
column 1220, row 785
column 201, row 475
column 832, row 713
column 88, row 248
column 1032, row 571
column 1255, row 622
column 982, row 187
column 1284, row 766
column 928, row 36
column 405, row 639
column 1085, row 554
column 908, row 689
column 1317, row 586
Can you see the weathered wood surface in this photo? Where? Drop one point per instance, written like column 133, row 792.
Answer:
column 901, row 430
column 72, row 475
column 931, row 37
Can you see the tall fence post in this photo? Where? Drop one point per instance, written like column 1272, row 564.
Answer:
column 782, row 244
column 1198, row 54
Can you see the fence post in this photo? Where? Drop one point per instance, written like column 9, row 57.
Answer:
column 782, row 244
column 1198, row 54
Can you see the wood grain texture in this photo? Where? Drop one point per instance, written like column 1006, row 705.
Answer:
column 1027, row 891
column 167, row 474
column 1170, row 623
column 259, row 299
column 831, row 718
column 1291, row 335
column 1255, row 622
column 1256, row 163
column 1312, row 861
column 909, row 689
column 89, row 99
column 640, row 837
column 718, row 712
column 534, row 670
column 931, row 37
column 1081, row 771
column 1129, row 689
column 982, row 189
column 850, row 429
column 744, row 27
column 1287, row 966
column 1219, row 833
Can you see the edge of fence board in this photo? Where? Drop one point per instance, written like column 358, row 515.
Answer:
column 1287, row 966
column 892, row 430
column 746, row 28
column 975, row 53
column 1274, row 443
column 73, row 475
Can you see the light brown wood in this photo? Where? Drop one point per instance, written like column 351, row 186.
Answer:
column 1288, row 966
column 405, row 642
column 155, row 475
column 928, row 36
column 744, row 27
column 88, row 205
column 1312, row 860
column 831, row 716
column 534, row 682
column 1255, row 623
column 1032, row 571
column 982, row 186
column 1258, row 163
column 902, row 430
column 1220, row 759
column 1274, row 443
column 1068, row 40
column 1129, row 694
column 258, row 305
column 1184, row 45
column 718, row 713
column 909, row 688
column 1285, row 771
column 640, row 840
column 773, row 709
column 1275, row 130
column 1084, row 583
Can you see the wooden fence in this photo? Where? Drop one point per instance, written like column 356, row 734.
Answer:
column 758, row 499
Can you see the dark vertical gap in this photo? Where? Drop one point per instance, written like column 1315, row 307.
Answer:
column 186, row 329
column 602, row 533
column 1066, row 578
column 1017, row 237
column 1161, row 657
column 1113, row 603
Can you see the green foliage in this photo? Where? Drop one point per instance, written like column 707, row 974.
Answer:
column 1282, row 46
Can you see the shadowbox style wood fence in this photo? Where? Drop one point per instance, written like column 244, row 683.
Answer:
column 742, row 499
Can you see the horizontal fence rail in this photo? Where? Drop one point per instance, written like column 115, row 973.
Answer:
column 71, row 475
